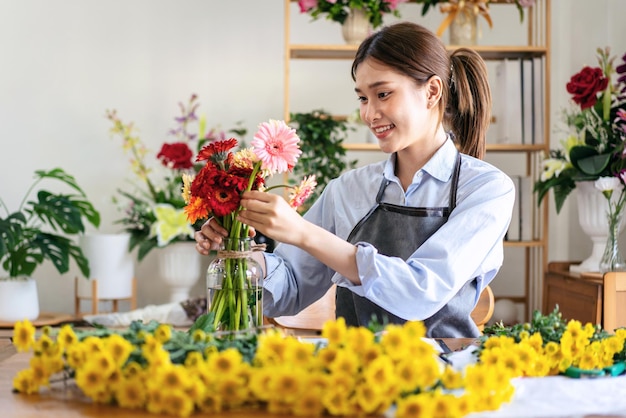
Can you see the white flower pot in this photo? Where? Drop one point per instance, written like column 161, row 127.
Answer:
column 111, row 265
column 356, row 27
column 18, row 299
column 180, row 266
column 592, row 215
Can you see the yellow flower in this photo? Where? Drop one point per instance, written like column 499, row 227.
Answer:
column 163, row 333
column 380, row 372
column 40, row 374
column 335, row 331
column 309, row 404
column 414, row 406
column 298, row 354
column 231, row 390
column 119, row 348
column 358, row 339
column 90, row 379
column 171, row 377
column 170, row 223
column 336, row 403
column 225, row 362
column 23, row 335
column 552, row 167
column 103, row 361
column 451, row 378
column 245, row 158
column 44, row 344
column 368, row 398
column 130, row 393
column 92, row 345
column 344, row 362
column 24, row 382
column 67, row 336
column 395, row 342
column 176, row 402
column 186, row 193
column 260, row 381
column 210, row 403
column 286, row 384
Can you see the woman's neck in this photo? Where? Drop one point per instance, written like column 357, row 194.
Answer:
column 410, row 160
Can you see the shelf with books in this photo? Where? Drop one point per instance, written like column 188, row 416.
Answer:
column 526, row 146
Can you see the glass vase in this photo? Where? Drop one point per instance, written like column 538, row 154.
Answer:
column 234, row 286
column 612, row 259
column 464, row 27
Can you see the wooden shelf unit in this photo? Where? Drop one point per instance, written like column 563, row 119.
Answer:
column 537, row 25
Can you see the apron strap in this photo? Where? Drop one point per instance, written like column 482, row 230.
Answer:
column 455, row 182
column 381, row 190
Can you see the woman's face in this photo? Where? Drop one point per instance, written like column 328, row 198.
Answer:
column 397, row 111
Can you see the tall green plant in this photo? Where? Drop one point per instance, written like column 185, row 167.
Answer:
column 38, row 230
column 323, row 154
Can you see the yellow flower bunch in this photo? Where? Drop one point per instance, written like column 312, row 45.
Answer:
column 356, row 372
column 577, row 346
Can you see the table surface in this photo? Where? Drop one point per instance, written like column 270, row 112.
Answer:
column 61, row 401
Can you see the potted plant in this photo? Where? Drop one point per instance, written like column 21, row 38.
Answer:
column 39, row 231
column 322, row 148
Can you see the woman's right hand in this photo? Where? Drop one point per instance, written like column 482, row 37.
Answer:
column 209, row 237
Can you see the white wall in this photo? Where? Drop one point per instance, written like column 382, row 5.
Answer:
column 64, row 62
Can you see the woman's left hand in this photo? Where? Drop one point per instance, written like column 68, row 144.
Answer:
column 272, row 215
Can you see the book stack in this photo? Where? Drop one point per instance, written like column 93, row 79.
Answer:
column 518, row 102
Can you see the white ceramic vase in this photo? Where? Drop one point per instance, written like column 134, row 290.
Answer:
column 110, row 264
column 18, row 299
column 592, row 215
column 180, row 266
column 356, row 27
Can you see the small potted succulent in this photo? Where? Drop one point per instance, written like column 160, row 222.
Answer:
column 38, row 231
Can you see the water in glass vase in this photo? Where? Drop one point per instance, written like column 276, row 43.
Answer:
column 237, row 309
column 234, row 285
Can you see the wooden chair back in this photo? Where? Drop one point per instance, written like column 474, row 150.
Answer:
column 483, row 311
column 614, row 301
column 313, row 317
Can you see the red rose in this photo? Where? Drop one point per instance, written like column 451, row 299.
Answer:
column 585, row 86
column 176, row 155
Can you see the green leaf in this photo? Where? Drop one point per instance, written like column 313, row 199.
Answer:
column 588, row 160
column 145, row 247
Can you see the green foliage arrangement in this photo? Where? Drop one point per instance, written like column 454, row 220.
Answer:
column 38, row 230
column 323, row 153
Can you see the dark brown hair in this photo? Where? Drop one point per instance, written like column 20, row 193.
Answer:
column 418, row 53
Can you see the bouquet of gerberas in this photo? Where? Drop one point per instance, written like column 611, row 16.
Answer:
column 216, row 191
column 153, row 208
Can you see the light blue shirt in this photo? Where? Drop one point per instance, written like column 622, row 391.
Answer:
column 468, row 246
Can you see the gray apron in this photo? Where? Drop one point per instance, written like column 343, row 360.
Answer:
column 398, row 231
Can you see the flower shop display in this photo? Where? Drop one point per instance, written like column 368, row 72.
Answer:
column 357, row 17
column 594, row 147
column 153, row 214
column 40, row 230
column 355, row 371
column 462, row 15
column 234, row 295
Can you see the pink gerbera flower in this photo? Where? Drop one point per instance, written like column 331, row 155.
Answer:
column 302, row 192
column 276, row 145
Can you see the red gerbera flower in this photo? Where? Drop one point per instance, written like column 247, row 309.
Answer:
column 216, row 151
column 224, row 200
